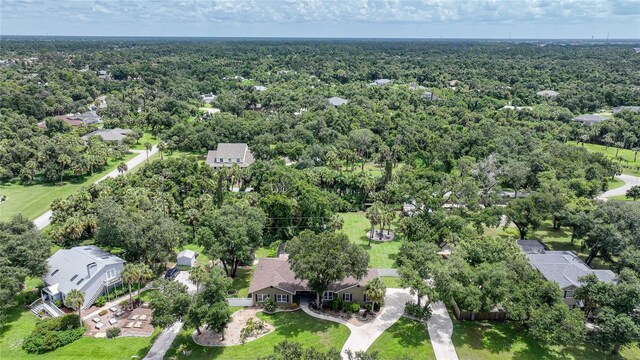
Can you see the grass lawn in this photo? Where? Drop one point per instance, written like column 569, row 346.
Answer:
column 479, row 340
column 293, row 326
column 146, row 138
column 614, row 184
column 34, row 200
column 381, row 255
column 621, row 198
column 404, row 338
column 391, row 282
column 242, row 281
column 625, row 156
column 21, row 322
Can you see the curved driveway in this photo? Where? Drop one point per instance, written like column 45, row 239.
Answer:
column 629, row 182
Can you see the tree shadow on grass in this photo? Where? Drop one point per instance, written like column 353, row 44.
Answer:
column 408, row 333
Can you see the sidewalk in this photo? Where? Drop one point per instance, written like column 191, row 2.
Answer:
column 440, row 331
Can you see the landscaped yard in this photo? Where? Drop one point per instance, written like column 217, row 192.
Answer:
column 21, row 322
column 146, row 138
column 404, row 338
column 479, row 340
column 391, row 282
column 382, row 255
column 628, row 165
column 34, row 200
column 293, row 326
column 242, row 281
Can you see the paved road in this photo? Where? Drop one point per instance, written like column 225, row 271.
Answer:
column 629, row 182
column 163, row 342
column 44, row 220
column 363, row 336
column 440, row 331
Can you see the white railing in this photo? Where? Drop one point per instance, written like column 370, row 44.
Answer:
column 240, row 301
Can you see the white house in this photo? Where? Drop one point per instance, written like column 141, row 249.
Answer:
column 187, row 258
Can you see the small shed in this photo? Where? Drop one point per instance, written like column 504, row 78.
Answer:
column 187, row 258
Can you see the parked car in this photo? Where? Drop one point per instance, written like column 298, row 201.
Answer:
column 171, row 274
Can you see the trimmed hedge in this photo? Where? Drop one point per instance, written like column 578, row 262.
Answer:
column 51, row 334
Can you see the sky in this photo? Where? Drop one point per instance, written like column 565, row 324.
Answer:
column 524, row 19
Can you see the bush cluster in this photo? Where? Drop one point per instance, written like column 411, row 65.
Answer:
column 50, row 334
column 417, row 311
column 353, row 307
column 270, row 305
column 113, row 332
column 101, row 301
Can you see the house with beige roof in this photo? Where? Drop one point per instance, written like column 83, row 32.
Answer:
column 274, row 279
column 229, row 154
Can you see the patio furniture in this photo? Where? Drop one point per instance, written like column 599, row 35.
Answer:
column 129, row 324
column 96, row 320
column 99, row 326
column 119, row 313
column 113, row 321
column 138, row 325
column 133, row 317
column 143, row 318
column 113, row 309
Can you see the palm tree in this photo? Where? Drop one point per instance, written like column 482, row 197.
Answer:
column 129, row 276
column 635, row 155
column 618, row 146
column 63, row 160
column 75, row 299
column 375, row 291
column 148, row 147
column 162, row 146
column 196, row 275
column 144, row 273
column 122, row 167
column 373, row 215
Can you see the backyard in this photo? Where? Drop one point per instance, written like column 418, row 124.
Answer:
column 34, row 200
column 382, row 255
column 625, row 156
column 293, row 326
column 479, row 340
column 404, row 338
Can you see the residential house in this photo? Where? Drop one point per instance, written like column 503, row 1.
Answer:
column 454, row 83
column 517, row 108
column 229, row 154
column 548, row 93
column 116, row 135
column 337, row 101
column 590, row 119
column 86, row 268
column 75, row 120
column 562, row 267
column 381, row 82
column 208, row 98
column 273, row 279
column 260, row 88
column 618, row 109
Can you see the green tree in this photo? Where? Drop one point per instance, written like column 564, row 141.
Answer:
column 197, row 274
column 375, row 290
column 524, row 213
column 169, row 303
column 633, row 192
column 147, row 148
column 129, row 275
column 75, row 299
column 325, row 258
column 557, row 324
column 615, row 329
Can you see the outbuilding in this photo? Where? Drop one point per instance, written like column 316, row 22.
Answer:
column 187, row 258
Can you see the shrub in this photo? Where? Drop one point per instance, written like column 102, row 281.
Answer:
column 353, row 307
column 101, row 301
column 417, row 311
column 50, row 334
column 270, row 305
column 376, row 307
column 337, row 304
column 58, row 303
column 30, row 297
column 294, row 306
column 368, row 307
column 113, row 332
column 102, row 312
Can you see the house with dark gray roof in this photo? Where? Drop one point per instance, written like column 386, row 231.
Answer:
column 562, row 267
column 116, row 135
column 229, row 154
column 337, row 101
column 86, row 268
column 208, row 98
column 381, row 82
column 589, row 119
column 273, row 279
column 618, row 109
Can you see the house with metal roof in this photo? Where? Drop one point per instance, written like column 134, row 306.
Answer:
column 618, row 109
column 589, row 119
column 381, row 82
column 187, row 258
column 208, row 98
column 86, row 268
column 564, row 268
column 229, row 154
column 548, row 93
column 337, row 101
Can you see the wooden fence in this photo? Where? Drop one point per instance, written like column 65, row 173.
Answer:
column 496, row 314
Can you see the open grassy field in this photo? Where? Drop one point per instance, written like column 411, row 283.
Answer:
column 34, row 200
column 625, row 156
column 381, row 255
column 293, row 326
column 404, row 338
column 480, row 340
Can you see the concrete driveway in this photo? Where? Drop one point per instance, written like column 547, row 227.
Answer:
column 183, row 277
column 629, row 182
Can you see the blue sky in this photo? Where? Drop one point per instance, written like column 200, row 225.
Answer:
column 325, row 18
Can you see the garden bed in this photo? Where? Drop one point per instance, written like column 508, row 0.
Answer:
column 385, row 236
column 233, row 332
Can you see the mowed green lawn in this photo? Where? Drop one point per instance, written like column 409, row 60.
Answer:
column 293, row 326
column 381, row 254
column 627, row 156
column 34, row 200
column 21, row 322
column 404, row 338
column 146, row 138
column 482, row 340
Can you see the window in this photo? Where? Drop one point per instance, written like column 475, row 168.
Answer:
column 261, row 297
column 347, row 297
column 327, row 295
column 221, row 159
column 55, row 272
column 74, row 277
column 229, row 159
column 80, row 281
column 237, row 160
column 282, row 298
column 111, row 274
column 568, row 294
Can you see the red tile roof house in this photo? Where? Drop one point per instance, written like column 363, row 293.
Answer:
column 274, row 279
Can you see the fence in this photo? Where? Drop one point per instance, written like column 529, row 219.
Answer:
column 496, row 314
column 240, row 301
column 388, row 272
